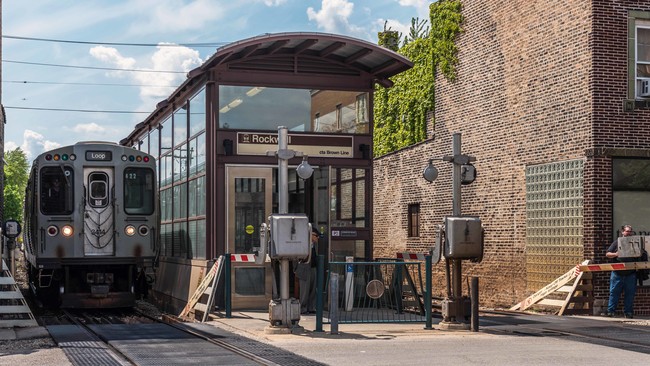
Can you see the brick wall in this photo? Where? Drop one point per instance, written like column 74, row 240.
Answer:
column 536, row 84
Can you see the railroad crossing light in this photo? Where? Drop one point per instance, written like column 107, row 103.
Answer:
column 467, row 174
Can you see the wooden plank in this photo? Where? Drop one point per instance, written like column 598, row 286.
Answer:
column 551, row 302
column 200, row 290
column 547, row 290
column 570, row 294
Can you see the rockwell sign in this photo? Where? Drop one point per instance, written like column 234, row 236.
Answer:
column 249, row 143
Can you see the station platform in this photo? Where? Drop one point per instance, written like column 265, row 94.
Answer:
column 504, row 338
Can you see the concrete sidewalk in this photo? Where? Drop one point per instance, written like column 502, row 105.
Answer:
column 496, row 343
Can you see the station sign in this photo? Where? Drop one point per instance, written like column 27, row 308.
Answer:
column 252, row 143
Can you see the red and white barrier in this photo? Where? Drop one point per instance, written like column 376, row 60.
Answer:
column 613, row 266
column 242, row 257
column 412, row 256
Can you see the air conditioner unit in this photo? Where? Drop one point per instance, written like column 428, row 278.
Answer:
column 645, row 88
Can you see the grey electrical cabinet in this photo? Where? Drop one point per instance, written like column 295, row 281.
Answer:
column 464, row 238
column 290, row 236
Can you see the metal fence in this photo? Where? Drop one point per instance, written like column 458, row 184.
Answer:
column 386, row 291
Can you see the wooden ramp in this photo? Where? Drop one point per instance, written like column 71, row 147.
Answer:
column 14, row 311
column 571, row 293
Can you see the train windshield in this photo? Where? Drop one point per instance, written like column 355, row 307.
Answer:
column 56, row 191
column 138, row 191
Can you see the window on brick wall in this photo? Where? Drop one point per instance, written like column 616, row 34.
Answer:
column 414, row 220
column 639, row 51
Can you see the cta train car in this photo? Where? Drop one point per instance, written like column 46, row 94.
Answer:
column 91, row 225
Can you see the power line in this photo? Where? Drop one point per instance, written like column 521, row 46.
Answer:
column 92, row 67
column 75, row 110
column 206, row 44
column 90, row 84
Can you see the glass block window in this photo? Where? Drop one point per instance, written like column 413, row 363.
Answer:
column 554, row 220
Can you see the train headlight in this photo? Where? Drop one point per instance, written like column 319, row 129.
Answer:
column 129, row 230
column 143, row 230
column 52, row 230
column 67, row 230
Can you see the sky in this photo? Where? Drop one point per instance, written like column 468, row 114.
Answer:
column 81, row 56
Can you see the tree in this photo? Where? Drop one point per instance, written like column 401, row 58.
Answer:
column 16, row 175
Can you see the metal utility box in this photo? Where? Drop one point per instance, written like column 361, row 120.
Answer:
column 630, row 246
column 464, row 237
column 290, row 236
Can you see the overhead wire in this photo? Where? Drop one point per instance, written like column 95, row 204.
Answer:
column 204, row 44
column 88, row 84
column 97, row 68
column 75, row 110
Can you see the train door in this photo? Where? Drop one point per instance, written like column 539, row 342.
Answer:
column 99, row 219
column 250, row 199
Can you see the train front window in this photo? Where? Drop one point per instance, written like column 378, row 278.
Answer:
column 56, row 191
column 98, row 189
column 138, row 191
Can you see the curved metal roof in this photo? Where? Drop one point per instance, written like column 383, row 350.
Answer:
column 306, row 54
column 304, row 59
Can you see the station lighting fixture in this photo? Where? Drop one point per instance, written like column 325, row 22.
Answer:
column 304, row 170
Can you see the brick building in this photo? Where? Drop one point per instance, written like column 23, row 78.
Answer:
column 551, row 97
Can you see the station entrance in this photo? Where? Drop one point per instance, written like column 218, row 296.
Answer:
column 334, row 198
column 214, row 138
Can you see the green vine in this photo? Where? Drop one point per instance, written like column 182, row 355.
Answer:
column 400, row 113
column 446, row 20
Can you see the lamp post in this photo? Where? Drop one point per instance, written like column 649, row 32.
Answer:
column 304, row 171
column 462, row 173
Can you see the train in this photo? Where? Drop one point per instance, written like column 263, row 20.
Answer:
column 91, row 226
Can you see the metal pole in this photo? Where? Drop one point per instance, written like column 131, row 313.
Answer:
column 427, row 291
column 283, row 203
column 455, row 175
column 227, row 287
column 320, row 277
column 457, row 284
column 474, row 300
column 334, row 303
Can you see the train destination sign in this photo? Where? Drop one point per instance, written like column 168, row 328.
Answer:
column 251, row 143
column 99, row 156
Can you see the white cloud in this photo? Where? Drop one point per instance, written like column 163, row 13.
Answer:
column 174, row 16
column 88, row 128
column 274, row 2
column 421, row 6
column 164, row 59
column 334, row 16
column 34, row 144
column 10, row 146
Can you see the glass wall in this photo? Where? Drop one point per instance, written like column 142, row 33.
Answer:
column 181, row 142
column 258, row 108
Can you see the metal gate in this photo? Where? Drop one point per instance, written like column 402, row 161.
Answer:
column 387, row 291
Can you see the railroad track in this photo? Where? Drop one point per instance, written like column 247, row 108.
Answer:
column 134, row 338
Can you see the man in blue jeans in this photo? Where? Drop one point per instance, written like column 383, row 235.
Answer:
column 621, row 281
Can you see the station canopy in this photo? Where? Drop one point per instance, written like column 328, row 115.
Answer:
column 312, row 56
column 302, row 59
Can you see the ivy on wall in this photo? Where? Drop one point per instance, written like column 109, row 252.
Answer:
column 400, row 113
